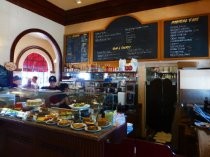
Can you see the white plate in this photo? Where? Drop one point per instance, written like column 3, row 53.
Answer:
column 49, row 91
column 105, row 126
column 50, row 122
column 86, row 106
column 202, row 124
column 63, row 126
column 84, row 125
column 66, row 125
column 86, row 129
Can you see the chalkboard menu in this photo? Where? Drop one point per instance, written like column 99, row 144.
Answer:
column 77, row 48
column 4, row 77
column 187, row 37
column 125, row 38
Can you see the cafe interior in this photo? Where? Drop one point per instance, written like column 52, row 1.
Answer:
column 131, row 78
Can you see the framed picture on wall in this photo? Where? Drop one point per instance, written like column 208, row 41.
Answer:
column 76, row 48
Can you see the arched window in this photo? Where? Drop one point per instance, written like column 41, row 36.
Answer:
column 17, row 57
column 35, row 63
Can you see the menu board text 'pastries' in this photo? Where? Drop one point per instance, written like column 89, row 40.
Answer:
column 186, row 37
column 125, row 38
column 77, row 48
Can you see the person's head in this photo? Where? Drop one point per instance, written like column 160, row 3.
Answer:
column 17, row 80
column 29, row 81
column 52, row 81
column 34, row 79
column 64, row 87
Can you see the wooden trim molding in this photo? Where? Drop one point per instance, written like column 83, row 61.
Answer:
column 92, row 12
column 115, row 8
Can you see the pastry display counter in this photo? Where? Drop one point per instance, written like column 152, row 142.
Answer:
column 33, row 139
column 24, row 94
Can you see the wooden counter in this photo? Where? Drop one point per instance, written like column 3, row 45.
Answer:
column 32, row 139
column 204, row 142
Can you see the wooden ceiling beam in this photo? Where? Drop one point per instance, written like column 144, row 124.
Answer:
column 92, row 12
column 115, row 8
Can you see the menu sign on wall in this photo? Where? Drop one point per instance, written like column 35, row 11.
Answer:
column 187, row 37
column 77, row 48
column 125, row 38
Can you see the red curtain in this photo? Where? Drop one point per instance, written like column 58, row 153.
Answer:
column 35, row 63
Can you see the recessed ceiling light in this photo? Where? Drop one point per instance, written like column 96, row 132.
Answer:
column 78, row 1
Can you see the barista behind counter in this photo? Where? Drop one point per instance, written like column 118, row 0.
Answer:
column 58, row 99
column 23, row 94
column 52, row 84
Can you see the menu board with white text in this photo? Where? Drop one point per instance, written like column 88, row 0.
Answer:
column 186, row 37
column 77, row 48
column 126, row 38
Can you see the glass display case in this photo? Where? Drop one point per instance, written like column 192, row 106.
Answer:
column 110, row 83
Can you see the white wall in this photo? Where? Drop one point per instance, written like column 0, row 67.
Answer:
column 195, row 79
column 14, row 20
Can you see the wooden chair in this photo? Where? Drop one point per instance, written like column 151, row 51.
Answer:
column 151, row 149
column 130, row 147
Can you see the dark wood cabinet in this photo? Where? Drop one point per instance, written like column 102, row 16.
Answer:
column 22, row 138
column 161, row 99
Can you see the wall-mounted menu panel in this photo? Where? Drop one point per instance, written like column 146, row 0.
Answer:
column 125, row 38
column 187, row 37
column 77, row 48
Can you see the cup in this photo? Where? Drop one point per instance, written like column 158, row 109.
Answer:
column 109, row 115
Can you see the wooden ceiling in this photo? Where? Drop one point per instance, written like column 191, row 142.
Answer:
column 94, row 11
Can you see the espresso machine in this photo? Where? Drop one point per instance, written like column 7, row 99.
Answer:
column 111, row 99
column 131, row 93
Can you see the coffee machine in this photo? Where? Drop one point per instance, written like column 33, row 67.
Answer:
column 131, row 93
column 111, row 90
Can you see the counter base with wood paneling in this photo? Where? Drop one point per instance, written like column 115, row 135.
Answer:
column 22, row 138
column 204, row 142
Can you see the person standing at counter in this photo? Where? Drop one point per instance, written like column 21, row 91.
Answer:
column 17, row 81
column 34, row 82
column 52, row 84
column 29, row 85
column 60, row 100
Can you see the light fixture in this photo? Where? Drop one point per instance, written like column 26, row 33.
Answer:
column 78, row 1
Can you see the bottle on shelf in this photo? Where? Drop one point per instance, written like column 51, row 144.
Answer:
column 206, row 105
